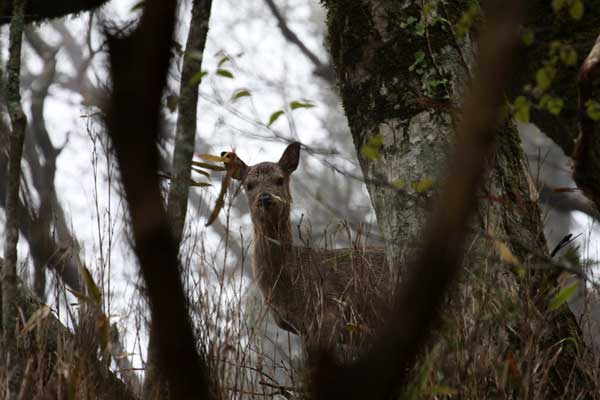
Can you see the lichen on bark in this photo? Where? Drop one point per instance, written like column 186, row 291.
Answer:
column 386, row 66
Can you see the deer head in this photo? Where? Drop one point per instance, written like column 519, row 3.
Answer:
column 267, row 187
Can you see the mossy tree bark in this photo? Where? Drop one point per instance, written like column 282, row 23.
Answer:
column 43, row 10
column 402, row 71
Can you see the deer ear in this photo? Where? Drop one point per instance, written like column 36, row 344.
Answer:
column 290, row 158
column 235, row 164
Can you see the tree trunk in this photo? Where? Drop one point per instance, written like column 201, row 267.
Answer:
column 402, row 71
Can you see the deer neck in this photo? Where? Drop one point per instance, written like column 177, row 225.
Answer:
column 272, row 248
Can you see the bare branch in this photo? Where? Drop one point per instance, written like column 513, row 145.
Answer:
column 323, row 70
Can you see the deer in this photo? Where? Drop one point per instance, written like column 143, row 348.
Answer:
column 329, row 295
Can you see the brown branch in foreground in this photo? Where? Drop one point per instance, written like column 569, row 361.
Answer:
column 587, row 151
column 13, row 179
column 139, row 64
column 382, row 370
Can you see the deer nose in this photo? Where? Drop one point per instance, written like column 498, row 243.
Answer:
column 264, row 199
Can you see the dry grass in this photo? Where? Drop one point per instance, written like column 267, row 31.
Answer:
column 493, row 342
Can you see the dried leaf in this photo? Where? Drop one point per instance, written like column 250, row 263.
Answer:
column 92, row 289
column 201, row 171
column 505, row 254
column 102, row 327
column 210, row 157
column 221, row 198
column 208, row 166
column 199, row 184
column 36, row 318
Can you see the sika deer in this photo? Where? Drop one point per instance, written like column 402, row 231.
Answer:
column 330, row 295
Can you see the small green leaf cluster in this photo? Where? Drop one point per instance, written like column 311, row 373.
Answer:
column 372, row 149
column 575, row 8
column 468, row 19
column 221, row 70
column 592, row 108
column 430, row 79
column 560, row 54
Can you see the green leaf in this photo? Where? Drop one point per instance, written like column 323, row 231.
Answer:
column 528, row 37
column 371, row 150
column 172, row 101
column 195, row 54
column 420, row 28
column 274, row 117
column 592, row 108
column 370, row 153
column 423, row 185
column 544, row 77
column 419, row 57
column 467, row 20
column 522, row 108
column 558, row 4
column 562, row 296
column 576, row 10
column 225, row 73
column 138, row 6
column 553, row 104
column 408, row 22
column 223, row 60
column 568, row 55
column 398, row 183
column 238, row 94
column 197, row 78
column 299, row 104
column 376, row 141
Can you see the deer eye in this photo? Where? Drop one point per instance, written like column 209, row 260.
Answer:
column 279, row 181
column 250, row 186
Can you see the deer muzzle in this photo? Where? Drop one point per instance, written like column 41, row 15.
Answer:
column 265, row 200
